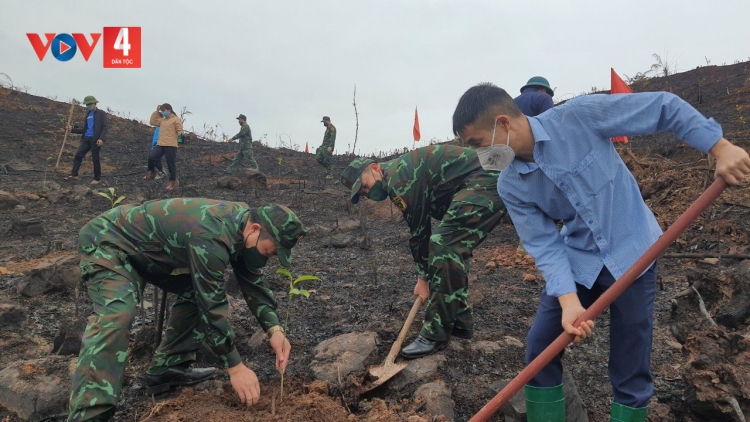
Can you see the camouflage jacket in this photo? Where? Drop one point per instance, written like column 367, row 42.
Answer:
column 329, row 139
column 159, row 240
column 244, row 135
column 422, row 183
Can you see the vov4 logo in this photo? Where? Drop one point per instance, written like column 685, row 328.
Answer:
column 122, row 46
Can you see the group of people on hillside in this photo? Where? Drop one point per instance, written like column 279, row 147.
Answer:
column 168, row 134
column 540, row 164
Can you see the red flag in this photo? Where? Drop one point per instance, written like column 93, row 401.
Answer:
column 417, row 135
column 618, row 86
column 307, row 148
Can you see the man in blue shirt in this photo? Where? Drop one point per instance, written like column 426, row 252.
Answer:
column 563, row 167
column 536, row 97
column 93, row 134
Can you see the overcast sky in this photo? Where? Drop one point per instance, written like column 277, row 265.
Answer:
column 285, row 64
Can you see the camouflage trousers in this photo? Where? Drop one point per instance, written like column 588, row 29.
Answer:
column 244, row 158
column 474, row 212
column 97, row 381
column 324, row 158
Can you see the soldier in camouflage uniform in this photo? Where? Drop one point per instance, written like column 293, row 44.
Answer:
column 183, row 246
column 324, row 154
column 244, row 157
column 448, row 184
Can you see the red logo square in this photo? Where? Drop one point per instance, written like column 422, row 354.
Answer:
column 122, row 47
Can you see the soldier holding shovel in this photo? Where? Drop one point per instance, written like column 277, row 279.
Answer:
column 446, row 183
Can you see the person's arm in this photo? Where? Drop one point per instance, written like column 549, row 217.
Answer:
column 178, row 125
column 262, row 305
column 652, row 112
column 244, row 131
column 104, row 126
column 76, row 129
column 543, row 242
column 207, row 261
column 333, row 137
column 155, row 119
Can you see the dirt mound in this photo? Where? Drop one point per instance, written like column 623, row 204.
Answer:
column 304, row 404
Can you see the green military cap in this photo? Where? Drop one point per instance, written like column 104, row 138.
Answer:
column 90, row 100
column 326, row 119
column 540, row 82
column 351, row 176
column 285, row 229
column 241, row 116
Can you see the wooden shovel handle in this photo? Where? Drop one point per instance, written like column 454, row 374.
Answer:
column 65, row 138
column 404, row 331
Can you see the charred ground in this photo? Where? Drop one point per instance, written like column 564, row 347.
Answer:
column 367, row 286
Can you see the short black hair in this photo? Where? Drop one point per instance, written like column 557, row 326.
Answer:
column 478, row 101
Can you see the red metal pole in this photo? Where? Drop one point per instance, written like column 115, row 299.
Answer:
column 606, row 299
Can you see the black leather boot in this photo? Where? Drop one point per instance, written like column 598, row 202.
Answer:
column 422, row 347
column 461, row 333
column 177, row 376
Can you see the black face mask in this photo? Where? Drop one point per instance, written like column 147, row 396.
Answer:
column 252, row 256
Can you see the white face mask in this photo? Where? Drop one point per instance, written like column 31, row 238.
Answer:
column 496, row 157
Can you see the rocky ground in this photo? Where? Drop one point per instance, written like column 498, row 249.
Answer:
column 361, row 255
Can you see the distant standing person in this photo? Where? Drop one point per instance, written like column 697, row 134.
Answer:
column 244, row 157
column 324, row 154
column 536, row 97
column 93, row 134
column 160, row 174
column 170, row 127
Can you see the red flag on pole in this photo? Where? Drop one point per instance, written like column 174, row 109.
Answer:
column 417, row 135
column 307, row 148
column 618, row 86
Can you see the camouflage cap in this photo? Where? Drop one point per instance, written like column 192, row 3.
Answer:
column 90, row 100
column 241, row 116
column 326, row 119
column 284, row 227
column 351, row 176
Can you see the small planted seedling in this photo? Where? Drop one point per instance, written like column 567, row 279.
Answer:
column 294, row 290
column 112, row 196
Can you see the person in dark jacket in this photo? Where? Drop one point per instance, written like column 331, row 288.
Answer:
column 536, row 97
column 93, row 134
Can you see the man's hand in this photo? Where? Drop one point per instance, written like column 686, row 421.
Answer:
column 422, row 290
column 329, row 149
column 571, row 309
column 281, row 347
column 68, row 128
column 245, row 383
column 732, row 162
column 99, row 142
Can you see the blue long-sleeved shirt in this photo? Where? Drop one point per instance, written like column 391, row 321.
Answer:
column 532, row 102
column 578, row 177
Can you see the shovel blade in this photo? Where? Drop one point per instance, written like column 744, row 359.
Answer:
column 385, row 372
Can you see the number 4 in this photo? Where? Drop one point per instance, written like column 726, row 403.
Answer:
column 121, row 43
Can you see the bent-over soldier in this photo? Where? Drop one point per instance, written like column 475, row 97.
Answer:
column 446, row 183
column 182, row 245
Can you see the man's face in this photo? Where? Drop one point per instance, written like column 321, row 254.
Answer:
column 241, row 121
column 369, row 177
column 476, row 135
column 325, row 123
column 267, row 247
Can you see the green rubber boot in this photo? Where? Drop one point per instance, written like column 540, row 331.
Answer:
column 545, row 404
column 622, row 413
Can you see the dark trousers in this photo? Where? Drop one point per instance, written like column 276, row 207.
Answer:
column 630, row 336
column 87, row 144
column 155, row 157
